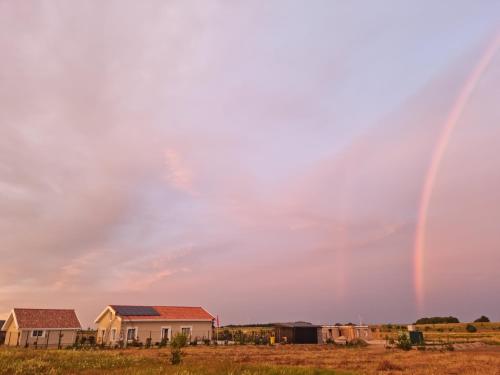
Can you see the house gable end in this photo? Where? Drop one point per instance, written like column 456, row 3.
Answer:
column 11, row 320
column 108, row 310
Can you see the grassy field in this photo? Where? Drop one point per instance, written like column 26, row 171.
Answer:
column 488, row 333
column 253, row 360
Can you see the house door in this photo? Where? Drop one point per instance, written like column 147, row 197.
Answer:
column 165, row 334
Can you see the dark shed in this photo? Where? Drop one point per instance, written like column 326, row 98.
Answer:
column 297, row 333
column 416, row 338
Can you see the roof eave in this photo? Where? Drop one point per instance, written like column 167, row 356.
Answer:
column 132, row 319
column 209, row 313
column 51, row 329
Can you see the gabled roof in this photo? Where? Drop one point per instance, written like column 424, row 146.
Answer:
column 297, row 325
column 45, row 318
column 2, row 322
column 181, row 313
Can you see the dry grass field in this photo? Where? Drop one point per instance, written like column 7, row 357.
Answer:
column 254, row 360
column 456, row 333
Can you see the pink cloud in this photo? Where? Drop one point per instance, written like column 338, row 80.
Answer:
column 179, row 175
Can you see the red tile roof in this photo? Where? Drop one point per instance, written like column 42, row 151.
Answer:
column 46, row 318
column 171, row 313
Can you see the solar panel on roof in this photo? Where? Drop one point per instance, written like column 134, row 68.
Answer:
column 136, row 311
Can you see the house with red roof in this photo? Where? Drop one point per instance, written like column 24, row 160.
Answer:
column 125, row 324
column 41, row 327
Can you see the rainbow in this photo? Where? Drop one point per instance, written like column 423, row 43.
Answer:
column 437, row 156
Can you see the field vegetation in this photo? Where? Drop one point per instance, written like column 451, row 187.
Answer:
column 253, row 360
column 451, row 348
column 454, row 333
column 138, row 362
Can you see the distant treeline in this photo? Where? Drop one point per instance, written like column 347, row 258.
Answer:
column 438, row 320
column 270, row 325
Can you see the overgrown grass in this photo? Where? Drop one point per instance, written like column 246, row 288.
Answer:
column 29, row 361
column 253, row 360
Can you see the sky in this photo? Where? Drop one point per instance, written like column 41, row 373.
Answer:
column 268, row 160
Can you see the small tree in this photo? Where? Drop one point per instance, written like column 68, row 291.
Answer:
column 178, row 342
column 482, row 319
column 404, row 341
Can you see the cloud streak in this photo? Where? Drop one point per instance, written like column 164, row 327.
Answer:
column 152, row 151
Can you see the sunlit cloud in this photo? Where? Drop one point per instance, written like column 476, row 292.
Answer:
column 178, row 174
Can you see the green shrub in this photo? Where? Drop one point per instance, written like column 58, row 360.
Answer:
column 178, row 342
column 357, row 343
column 470, row 328
column 163, row 342
column 403, row 341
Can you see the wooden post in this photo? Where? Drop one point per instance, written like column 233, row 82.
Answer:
column 18, row 338
column 27, row 336
column 59, row 342
column 47, row 343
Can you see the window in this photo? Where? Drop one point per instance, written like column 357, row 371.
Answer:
column 165, row 333
column 186, row 331
column 113, row 334
column 131, row 334
column 37, row 333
